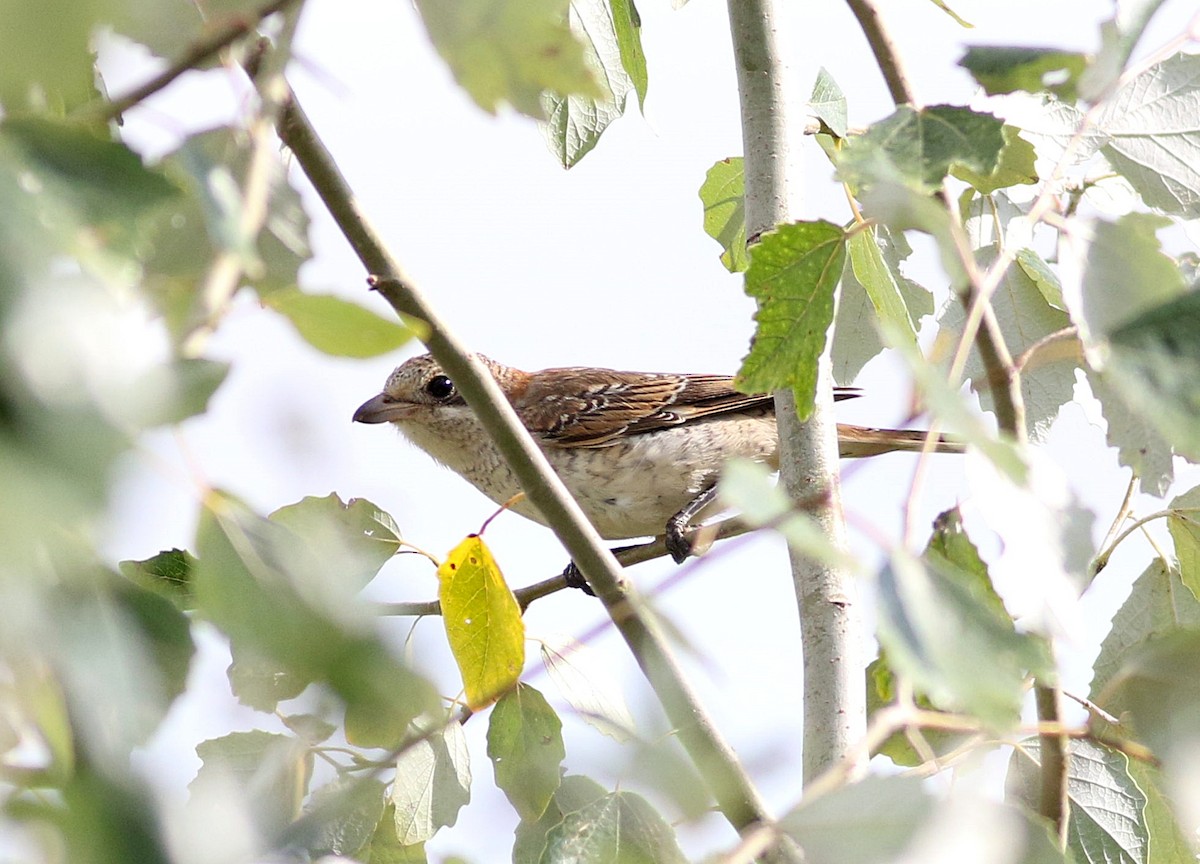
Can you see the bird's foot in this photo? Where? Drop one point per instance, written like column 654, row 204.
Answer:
column 574, row 579
column 678, row 539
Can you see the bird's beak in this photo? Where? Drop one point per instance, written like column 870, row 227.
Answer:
column 382, row 409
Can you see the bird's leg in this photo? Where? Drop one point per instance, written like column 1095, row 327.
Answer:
column 679, row 545
column 574, row 578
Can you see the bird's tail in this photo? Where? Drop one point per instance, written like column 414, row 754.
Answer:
column 858, row 441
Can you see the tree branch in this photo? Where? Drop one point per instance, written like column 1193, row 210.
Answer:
column 831, row 630
column 884, row 51
column 737, row 798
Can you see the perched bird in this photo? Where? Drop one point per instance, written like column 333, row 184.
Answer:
column 641, row 452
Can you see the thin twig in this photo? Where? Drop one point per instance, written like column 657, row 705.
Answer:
column 885, row 52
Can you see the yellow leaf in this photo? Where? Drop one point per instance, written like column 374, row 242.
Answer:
column 483, row 622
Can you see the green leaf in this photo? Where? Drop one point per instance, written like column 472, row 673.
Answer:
column 271, row 773
column 526, row 748
column 48, row 60
column 1153, row 131
column 173, row 392
column 620, row 826
column 340, row 819
column 385, row 847
column 794, row 271
column 336, row 326
column 260, row 683
column 1024, row 317
column 747, row 487
column 877, row 279
column 1043, row 277
column 723, row 196
column 1139, row 442
column 483, row 621
column 184, row 240
column 573, row 794
column 1184, row 524
column 1158, row 683
column 855, row 334
column 1167, row 841
column 1014, row 167
column 628, row 25
column 575, row 122
column 828, row 103
column 1155, row 364
column 881, row 692
column 1106, row 822
column 94, row 195
column 1159, row 604
column 309, row 728
column 167, row 573
column 941, row 627
column 433, row 782
column 919, row 148
column 168, row 29
column 260, row 583
column 510, row 51
column 1005, row 68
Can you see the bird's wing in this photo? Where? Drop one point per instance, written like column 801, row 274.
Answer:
column 586, row 407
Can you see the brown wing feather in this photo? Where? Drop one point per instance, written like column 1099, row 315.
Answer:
column 586, row 407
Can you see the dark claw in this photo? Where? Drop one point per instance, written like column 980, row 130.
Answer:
column 574, row 579
column 679, row 544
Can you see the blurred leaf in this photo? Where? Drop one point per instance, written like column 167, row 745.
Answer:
column 210, row 166
column 723, row 196
column 433, row 782
column 48, row 61
column 173, row 392
column 526, row 748
column 260, row 683
column 574, row 793
column 168, row 27
column 1184, row 524
column 940, row 625
column 1140, row 444
column 585, row 680
column 510, row 51
column 253, row 580
column 167, row 573
column 877, row 279
column 1155, row 364
column 483, row 621
column 828, row 103
column 336, row 326
column 94, row 195
column 1106, row 821
column 1118, row 36
column 309, row 728
column 1158, row 683
column 871, row 821
column 794, row 271
column 855, row 334
column 270, row 773
column 628, row 25
column 385, row 846
column 881, row 692
column 620, row 826
column 1024, row 316
column 919, row 148
column 1043, row 277
column 747, row 487
column 575, row 121
column 1005, row 68
column 1153, row 136
column 1167, row 841
column 344, row 544
column 1014, row 167
column 340, row 819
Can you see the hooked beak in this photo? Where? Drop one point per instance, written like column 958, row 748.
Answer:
column 381, row 409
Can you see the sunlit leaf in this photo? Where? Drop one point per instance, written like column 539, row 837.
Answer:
column 167, row 573
column 828, row 103
column 878, row 280
column 723, row 196
column 1184, row 524
column 1005, row 68
column 336, row 326
column 628, row 25
column 526, row 748
column 483, row 621
column 1014, row 167
column 433, row 782
column 794, row 271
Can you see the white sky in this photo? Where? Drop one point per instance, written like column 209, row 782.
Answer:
column 606, row 265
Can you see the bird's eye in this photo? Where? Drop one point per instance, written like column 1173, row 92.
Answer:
column 440, row 387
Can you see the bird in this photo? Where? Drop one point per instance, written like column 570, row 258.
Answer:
column 640, row 451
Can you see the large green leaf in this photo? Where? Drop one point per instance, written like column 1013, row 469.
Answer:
column 620, row 826
column 794, row 271
column 573, row 794
column 48, row 60
column 510, row 51
column 336, row 326
column 1005, row 68
column 433, row 782
column 723, row 195
column 526, row 748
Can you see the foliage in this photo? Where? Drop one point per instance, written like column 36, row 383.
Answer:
column 1013, row 191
